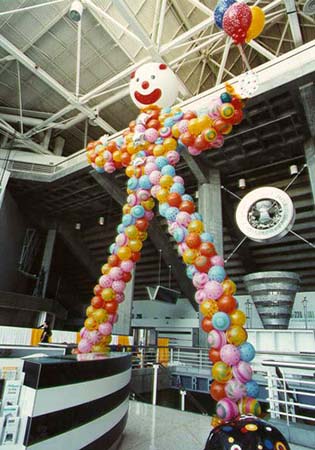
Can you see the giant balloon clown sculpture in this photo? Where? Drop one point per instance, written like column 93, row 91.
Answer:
column 149, row 151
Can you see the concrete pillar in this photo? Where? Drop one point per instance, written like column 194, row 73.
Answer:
column 123, row 325
column 210, row 206
column 308, row 100
column 47, row 258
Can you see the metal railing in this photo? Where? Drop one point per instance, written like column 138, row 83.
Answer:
column 291, row 390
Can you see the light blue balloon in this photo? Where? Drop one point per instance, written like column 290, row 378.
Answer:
column 178, row 116
column 171, row 213
column 179, row 235
column 247, row 351
column 252, row 388
column 163, row 207
column 161, row 161
column 221, row 321
column 217, row 273
column 196, row 216
column 132, row 183
column 128, row 219
column 120, row 228
column 169, row 122
column 207, row 237
column 190, row 271
column 99, row 169
column 113, row 249
column 144, row 182
column 178, row 187
column 137, row 211
column 168, row 170
column 187, row 197
column 166, row 110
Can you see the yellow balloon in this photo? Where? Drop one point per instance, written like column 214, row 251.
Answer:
column 131, row 232
column 99, row 161
column 208, row 308
column 129, row 171
column 166, row 181
column 169, row 144
column 143, row 235
column 190, row 255
column 99, row 348
column 100, row 315
column 90, row 324
column 257, row 24
column 175, row 131
column 162, row 195
column 124, row 253
column 126, row 209
column 229, row 287
column 105, row 269
column 107, row 294
column 148, row 204
column 236, row 335
column 135, row 245
column 205, row 122
column 195, row 226
column 238, row 318
column 194, row 126
column 89, row 311
column 158, row 150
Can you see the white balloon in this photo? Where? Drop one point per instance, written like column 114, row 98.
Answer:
column 153, row 84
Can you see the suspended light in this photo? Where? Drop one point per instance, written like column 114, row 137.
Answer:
column 293, row 170
column 75, row 11
column 242, row 183
column 101, row 220
column 78, row 226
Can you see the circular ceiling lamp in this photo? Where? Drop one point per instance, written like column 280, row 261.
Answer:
column 309, row 7
column 75, row 11
column 265, row 214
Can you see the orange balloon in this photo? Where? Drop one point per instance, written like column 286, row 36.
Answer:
column 217, row 390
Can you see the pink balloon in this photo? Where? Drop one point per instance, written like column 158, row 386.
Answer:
column 143, row 195
column 109, row 167
column 119, row 286
column 230, row 354
column 105, row 328
column 178, row 179
column 127, row 265
column 120, row 297
column 121, row 239
column 155, row 176
column 200, row 279
column 149, row 168
column 193, row 150
column 132, row 200
column 235, row 390
column 105, row 281
column 183, row 218
column 200, row 296
column 154, row 190
column 217, row 260
column 173, row 157
column 151, row 134
column 84, row 346
column 93, row 337
column 112, row 318
column 214, row 108
column 183, row 126
column 116, row 273
column 242, row 372
column 83, row 332
column 149, row 215
column 213, row 289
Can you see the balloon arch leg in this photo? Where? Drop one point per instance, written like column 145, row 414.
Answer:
column 149, row 151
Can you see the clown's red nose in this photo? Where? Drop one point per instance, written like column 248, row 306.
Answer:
column 145, row 85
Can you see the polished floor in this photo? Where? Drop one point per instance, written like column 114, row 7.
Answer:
column 160, row 428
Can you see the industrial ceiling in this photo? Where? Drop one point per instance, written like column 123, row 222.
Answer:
column 65, row 83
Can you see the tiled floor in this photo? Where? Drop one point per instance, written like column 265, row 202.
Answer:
column 160, row 428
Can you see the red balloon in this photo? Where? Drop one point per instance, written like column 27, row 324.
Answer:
column 237, row 118
column 142, row 224
column 187, row 206
column 97, row 302
column 174, row 199
column 206, row 324
column 126, row 277
column 97, row 289
column 111, row 307
column 207, row 249
column 135, row 256
column 189, row 115
column 217, row 390
column 214, row 355
column 193, row 240
column 187, row 139
column 227, row 304
column 200, row 143
column 113, row 260
column 202, row 263
column 236, row 21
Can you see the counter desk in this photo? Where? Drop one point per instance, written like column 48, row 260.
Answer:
column 69, row 403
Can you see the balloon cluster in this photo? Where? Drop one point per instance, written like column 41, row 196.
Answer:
column 240, row 21
column 149, row 150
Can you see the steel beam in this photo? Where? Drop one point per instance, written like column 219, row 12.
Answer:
column 294, row 22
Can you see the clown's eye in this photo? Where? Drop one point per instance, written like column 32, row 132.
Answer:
column 137, row 79
column 153, row 77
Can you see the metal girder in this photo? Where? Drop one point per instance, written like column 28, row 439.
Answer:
column 157, row 236
column 294, row 22
column 52, row 83
column 141, row 33
column 198, row 170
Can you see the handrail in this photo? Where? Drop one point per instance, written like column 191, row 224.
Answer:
column 289, row 364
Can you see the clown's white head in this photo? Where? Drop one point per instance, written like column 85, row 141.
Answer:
column 153, row 83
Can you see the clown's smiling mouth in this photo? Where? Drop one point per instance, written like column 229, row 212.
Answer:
column 148, row 99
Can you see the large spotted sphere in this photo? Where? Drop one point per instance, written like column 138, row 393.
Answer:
column 153, row 84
